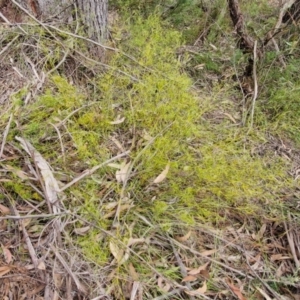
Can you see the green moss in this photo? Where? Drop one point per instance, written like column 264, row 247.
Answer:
column 93, row 247
column 22, row 190
column 159, row 208
column 213, row 168
column 219, row 173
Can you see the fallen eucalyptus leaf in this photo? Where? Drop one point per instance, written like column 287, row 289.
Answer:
column 162, row 176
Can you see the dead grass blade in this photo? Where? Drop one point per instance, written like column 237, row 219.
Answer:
column 264, row 294
column 135, row 288
column 30, row 247
column 93, row 170
column 5, row 135
column 183, row 270
column 237, row 292
column 291, row 242
column 32, row 216
column 4, row 270
column 77, row 282
column 209, row 258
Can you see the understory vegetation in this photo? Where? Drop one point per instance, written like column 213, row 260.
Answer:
column 189, row 177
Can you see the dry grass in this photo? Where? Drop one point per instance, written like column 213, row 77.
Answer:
column 236, row 257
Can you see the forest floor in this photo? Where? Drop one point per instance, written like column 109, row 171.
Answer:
column 153, row 171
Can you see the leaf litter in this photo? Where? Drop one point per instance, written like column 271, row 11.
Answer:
column 213, row 261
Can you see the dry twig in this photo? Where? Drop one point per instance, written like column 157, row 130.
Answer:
column 93, row 170
column 79, row 285
column 18, row 217
column 181, row 267
column 255, row 84
column 5, row 135
column 291, row 242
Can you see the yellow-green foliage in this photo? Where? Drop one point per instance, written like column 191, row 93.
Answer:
column 91, row 243
column 211, row 171
column 283, row 108
column 208, row 173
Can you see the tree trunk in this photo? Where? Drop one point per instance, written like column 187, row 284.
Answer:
column 92, row 13
column 94, row 16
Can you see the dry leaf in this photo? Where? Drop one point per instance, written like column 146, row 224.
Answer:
column 165, row 287
column 260, row 233
column 189, row 278
column 264, row 294
column 241, row 228
column 162, row 176
column 21, row 174
column 25, row 222
column 30, row 267
column 253, row 259
column 199, row 291
column 183, row 238
column 160, row 281
column 146, row 136
column 233, row 258
column 208, row 252
column 111, row 205
column 114, row 165
column 235, row 289
column 230, row 117
column 125, row 257
column 3, row 225
column 116, row 251
column 205, row 274
column 5, row 180
column 41, row 265
column 118, row 144
column 51, row 185
column 82, row 230
column 122, row 208
column 121, row 175
column 198, row 270
column 7, row 254
column 118, row 121
column 120, row 255
column 4, row 270
column 4, row 210
column 133, row 241
column 134, row 275
column 262, row 230
column 199, row 67
column 257, row 264
column 280, row 271
column 275, row 257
